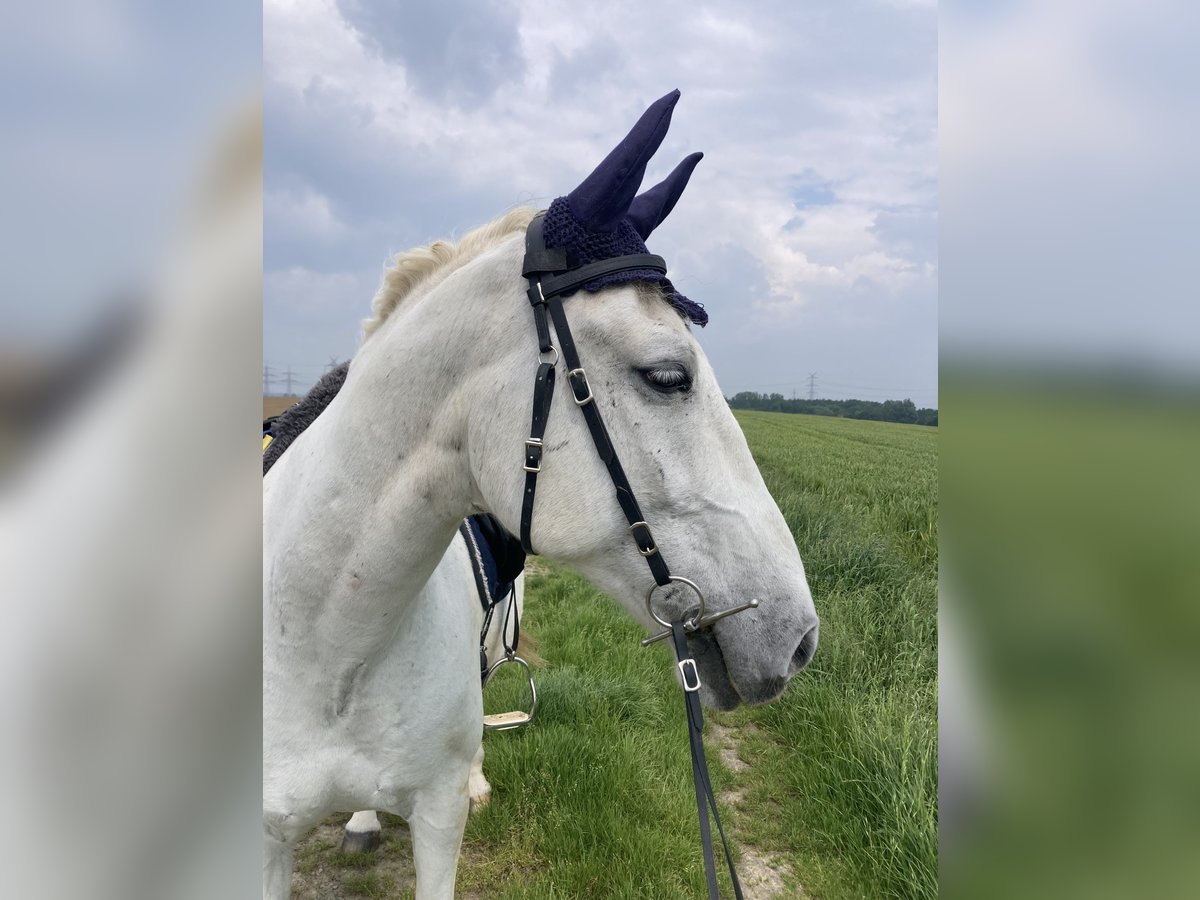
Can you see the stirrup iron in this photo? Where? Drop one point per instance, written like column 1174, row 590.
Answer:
column 517, row 718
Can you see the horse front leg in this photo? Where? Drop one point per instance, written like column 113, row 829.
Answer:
column 437, row 822
column 277, row 868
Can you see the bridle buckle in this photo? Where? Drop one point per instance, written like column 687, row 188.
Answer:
column 688, row 667
column 533, row 451
column 580, row 401
column 645, row 551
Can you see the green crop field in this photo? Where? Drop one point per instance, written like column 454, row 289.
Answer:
column 830, row 792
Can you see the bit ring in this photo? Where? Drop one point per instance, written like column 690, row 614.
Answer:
column 691, row 622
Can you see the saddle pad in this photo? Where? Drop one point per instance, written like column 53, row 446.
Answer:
column 496, row 557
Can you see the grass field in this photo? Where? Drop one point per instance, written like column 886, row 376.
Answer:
column 829, row 792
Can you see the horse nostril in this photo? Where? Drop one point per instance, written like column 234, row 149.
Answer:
column 804, row 653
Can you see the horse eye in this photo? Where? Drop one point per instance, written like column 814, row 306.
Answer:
column 668, row 379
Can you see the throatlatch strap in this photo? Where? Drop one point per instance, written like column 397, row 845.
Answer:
column 706, row 800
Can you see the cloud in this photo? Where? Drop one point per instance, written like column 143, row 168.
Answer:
column 1069, row 181
column 313, row 293
column 302, row 211
column 461, row 49
column 818, row 124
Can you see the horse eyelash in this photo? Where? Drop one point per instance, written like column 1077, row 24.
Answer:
column 668, row 379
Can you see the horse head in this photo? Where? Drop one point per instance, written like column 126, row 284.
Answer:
column 705, row 503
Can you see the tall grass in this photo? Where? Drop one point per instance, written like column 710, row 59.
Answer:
column 845, row 764
column 594, row 800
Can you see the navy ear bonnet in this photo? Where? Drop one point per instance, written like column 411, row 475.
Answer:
column 605, row 217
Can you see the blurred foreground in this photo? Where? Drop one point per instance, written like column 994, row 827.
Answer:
column 1070, row 435
column 1069, row 725
column 130, row 352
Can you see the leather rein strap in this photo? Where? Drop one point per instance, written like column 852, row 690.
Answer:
column 549, row 278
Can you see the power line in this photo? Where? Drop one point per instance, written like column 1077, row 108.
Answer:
column 868, row 387
column 333, row 363
column 812, row 385
column 920, row 398
column 834, row 393
column 865, row 387
column 302, row 365
column 887, row 395
column 841, row 386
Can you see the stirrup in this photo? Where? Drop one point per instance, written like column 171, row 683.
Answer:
column 516, row 718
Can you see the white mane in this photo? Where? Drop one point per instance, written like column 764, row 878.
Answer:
column 426, row 266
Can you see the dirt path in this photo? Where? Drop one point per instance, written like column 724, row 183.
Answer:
column 765, row 875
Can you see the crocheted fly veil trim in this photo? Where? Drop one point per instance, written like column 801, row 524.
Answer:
column 605, row 217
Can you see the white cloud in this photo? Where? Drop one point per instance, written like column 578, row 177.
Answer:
column 1068, row 160
column 301, row 212
column 777, row 95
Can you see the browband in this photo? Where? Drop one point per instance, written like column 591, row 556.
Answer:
column 556, row 277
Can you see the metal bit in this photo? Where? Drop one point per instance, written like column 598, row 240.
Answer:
column 701, row 623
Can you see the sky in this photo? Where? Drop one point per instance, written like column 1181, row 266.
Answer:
column 1069, row 135
column 111, row 110
column 809, row 231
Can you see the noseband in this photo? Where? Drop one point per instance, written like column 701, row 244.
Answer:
column 550, row 278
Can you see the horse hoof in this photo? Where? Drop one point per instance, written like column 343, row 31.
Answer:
column 479, row 801
column 360, row 841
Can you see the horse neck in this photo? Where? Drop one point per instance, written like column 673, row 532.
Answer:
column 383, row 478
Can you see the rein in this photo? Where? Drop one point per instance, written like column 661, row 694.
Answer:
column 550, row 277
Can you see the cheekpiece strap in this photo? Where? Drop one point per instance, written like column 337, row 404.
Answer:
column 543, row 395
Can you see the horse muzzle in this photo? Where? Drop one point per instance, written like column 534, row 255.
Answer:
column 734, row 671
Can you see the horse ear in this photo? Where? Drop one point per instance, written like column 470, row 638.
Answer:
column 648, row 210
column 602, row 200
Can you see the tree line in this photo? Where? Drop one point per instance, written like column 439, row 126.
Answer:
column 888, row 411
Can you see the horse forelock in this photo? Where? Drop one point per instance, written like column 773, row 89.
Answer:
column 425, row 266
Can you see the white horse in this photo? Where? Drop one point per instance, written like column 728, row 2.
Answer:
column 367, row 643
column 362, row 833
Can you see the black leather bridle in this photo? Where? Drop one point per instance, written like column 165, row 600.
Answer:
column 550, row 277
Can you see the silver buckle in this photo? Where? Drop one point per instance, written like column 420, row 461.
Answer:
column 529, row 444
column 589, row 398
column 686, row 666
column 653, row 548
